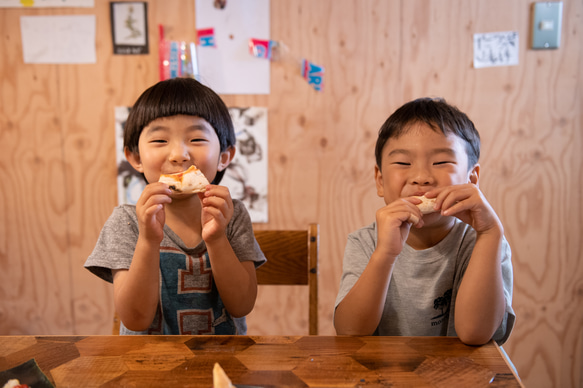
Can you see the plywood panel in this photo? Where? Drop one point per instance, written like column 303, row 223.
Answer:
column 56, row 131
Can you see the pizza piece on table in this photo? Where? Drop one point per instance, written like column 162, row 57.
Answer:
column 220, row 378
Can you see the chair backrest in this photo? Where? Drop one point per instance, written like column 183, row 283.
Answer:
column 292, row 259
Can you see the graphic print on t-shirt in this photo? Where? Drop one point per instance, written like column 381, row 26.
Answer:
column 441, row 304
column 191, row 304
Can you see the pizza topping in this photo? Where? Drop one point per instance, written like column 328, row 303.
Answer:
column 189, row 181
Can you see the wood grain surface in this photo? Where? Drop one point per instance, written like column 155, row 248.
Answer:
column 58, row 169
column 269, row 361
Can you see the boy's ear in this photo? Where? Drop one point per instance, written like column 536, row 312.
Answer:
column 378, row 177
column 226, row 158
column 134, row 159
column 474, row 175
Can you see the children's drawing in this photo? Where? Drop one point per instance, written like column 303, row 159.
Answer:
column 129, row 27
column 496, row 49
column 130, row 183
column 246, row 176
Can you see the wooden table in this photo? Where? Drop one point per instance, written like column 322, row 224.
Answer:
column 181, row 361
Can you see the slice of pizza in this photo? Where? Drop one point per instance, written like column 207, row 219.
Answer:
column 189, row 181
column 220, row 378
column 427, row 204
column 14, row 383
column 426, row 207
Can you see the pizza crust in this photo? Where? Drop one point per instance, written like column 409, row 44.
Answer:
column 220, row 378
column 189, row 181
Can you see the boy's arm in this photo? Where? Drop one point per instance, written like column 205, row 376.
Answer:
column 360, row 312
column 236, row 281
column 136, row 290
column 480, row 303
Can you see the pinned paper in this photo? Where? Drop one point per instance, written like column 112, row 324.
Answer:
column 495, row 49
column 228, row 68
column 46, row 3
column 58, row 39
column 246, row 175
column 129, row 27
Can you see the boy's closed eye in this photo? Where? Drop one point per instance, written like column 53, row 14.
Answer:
column 198, row 140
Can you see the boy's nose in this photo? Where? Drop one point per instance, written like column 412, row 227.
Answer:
column 422, row 176
column 179, row 153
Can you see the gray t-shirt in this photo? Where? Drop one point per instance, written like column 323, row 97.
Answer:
column 424, row 284
column 189, row 300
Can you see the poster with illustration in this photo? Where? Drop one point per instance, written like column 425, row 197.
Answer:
column 246, row 177
column 129, row 27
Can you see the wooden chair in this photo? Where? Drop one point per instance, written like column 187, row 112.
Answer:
column 292, row 259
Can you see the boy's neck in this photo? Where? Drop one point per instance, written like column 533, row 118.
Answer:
column 429, row 236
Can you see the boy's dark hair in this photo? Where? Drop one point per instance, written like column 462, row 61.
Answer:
column 440, row 116
column 180, row 96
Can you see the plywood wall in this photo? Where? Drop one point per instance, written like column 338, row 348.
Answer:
column 58, row 170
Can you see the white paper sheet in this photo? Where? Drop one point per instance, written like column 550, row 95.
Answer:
column 46, row 3
column 229, row 68
column 246, row 176
column 496, row 49
column 58, row 39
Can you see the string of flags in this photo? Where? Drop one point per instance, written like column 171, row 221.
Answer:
column 178, row 59
column 277, row 51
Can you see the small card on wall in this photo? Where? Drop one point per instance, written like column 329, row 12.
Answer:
column 496, row 49
column 129, row 27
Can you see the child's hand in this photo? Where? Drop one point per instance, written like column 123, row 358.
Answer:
column 394, row 223
column 467, row 203
column 217, row 211
column 150, row 211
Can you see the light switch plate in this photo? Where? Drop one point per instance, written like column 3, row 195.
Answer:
column 546, row 25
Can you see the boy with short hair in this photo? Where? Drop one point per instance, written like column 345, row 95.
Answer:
column 180, row 262
column 445, row 273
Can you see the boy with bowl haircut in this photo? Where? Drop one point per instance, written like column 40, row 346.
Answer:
column 443, row 273
column 180, row 262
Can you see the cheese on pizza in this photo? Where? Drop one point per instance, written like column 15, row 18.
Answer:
column 189, row 181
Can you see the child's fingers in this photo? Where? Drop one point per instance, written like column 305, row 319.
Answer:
column 401, row 211
column 457, row 198
column 413, row 219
